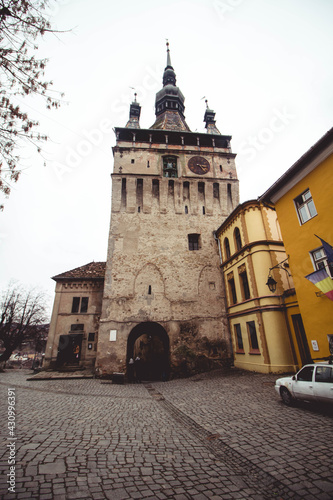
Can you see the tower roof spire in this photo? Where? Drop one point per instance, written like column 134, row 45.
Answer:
column 169, row 103
column 169, row 75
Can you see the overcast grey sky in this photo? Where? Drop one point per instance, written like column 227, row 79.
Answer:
column 265, row 67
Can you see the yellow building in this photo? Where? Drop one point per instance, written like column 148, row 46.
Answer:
column 303, row 201
column 250, row 246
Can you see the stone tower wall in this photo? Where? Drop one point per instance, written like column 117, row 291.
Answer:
column 151, row 275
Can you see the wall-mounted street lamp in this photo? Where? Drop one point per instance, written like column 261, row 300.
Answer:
column 271, row 283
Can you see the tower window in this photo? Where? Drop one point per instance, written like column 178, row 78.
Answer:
column 123, row 193
column 132, row 160
column 186, row 209
column 149, row 290
column 139, row 193
column 148, row 164
column 186, row 190
column 156, row 188
column 216, row 191
column 201, row 187
column 170, row 166
column 229, row 193
column 221, row 168
column 203, row 210
column 194, row 241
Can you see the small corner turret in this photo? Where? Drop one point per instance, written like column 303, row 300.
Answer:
column 134, row 114
column 209, row 120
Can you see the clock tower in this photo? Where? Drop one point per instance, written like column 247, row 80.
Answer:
column 164, row 297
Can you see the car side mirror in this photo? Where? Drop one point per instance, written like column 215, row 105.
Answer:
column 294, row 378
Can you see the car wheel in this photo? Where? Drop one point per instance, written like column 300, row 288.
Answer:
column 286, row 396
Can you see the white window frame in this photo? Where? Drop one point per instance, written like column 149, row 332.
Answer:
column 302, row 208
column 320, row 261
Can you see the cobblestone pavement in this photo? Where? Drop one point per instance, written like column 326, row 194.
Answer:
column 218, row 436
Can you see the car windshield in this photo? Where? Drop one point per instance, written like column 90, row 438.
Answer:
column 305, row 374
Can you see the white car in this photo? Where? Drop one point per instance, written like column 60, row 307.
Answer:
column 312, row 383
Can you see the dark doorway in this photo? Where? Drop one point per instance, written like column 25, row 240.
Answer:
column 69, row 349
column 150, row 342
column 301, row 339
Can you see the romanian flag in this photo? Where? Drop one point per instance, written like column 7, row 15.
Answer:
column 322, row 281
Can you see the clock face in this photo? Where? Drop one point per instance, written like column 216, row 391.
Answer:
column 198, row 165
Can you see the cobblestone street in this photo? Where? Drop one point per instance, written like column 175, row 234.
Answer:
column 217, row 436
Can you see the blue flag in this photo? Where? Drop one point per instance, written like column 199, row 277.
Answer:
column 328, row 249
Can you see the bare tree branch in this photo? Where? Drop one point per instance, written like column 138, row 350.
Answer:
column 22, row 22
column 21, row 314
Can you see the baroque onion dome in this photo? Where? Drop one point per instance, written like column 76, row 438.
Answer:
column 209, row 119
column 169, row 103
column 134, row 114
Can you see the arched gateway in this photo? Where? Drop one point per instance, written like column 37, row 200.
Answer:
column 150, row 341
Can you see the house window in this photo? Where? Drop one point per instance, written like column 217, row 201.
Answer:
column 91, row 337
column 244, row 284
column 170, row 166
column 238, row 239
column 76, row 304
column 227, row 247
column 239, row 338
column 84, row 304
column 232, row 288
column 193, row 241
column 254, row 346
column 80, row 304
column 77, row 327
column 305, row 206
column 320, row 261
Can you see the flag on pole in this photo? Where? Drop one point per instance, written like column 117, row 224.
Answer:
column 322, row 281
column 327, row 248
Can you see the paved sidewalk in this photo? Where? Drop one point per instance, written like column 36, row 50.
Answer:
column 217, row 436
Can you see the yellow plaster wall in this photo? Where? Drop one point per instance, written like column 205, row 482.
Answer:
column 300, row 240
column 262, row 240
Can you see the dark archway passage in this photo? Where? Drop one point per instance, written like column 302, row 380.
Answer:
column 151, row 342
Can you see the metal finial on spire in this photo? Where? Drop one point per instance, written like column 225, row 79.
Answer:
column 168, row 54
column 206, row 101
column 135, row 94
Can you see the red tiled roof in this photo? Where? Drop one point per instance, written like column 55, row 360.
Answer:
column 93, row 270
